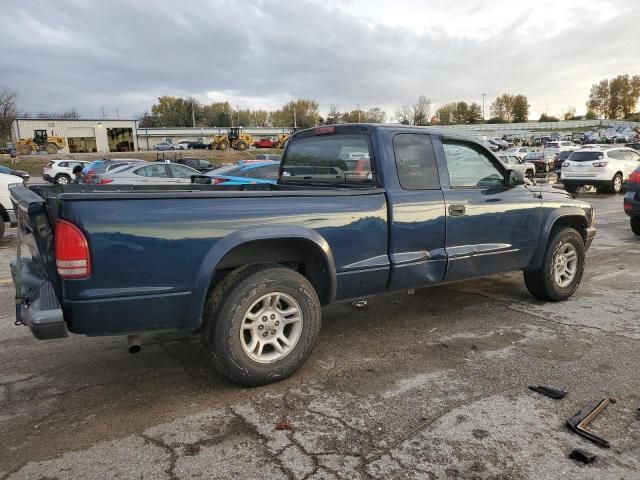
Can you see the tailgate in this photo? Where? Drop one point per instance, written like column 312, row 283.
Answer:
column 36, row 230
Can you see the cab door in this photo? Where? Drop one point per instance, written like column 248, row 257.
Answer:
column 489, row 228
column 416, row 216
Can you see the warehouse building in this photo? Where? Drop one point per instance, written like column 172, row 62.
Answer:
column 84, row 135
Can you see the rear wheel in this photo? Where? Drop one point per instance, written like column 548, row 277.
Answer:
column 241, row 145
column 63, row 179
column 616, row 183
column 2, row 228
column 223, row 145
column 24, row 150
column 635, row 225
column 571, row 188
column 261, row 323
column 51, row 148
column 562, row 266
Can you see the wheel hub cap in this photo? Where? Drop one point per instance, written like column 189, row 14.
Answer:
column 271, row 327
column 565, row 265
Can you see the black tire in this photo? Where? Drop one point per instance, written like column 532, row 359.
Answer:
column 541, row 282
column 616, row 183
column 51, row 148
column 241, row 145
column 225, row 311
column 3, row 227
column 24, row 150
column 635, row 224
column 571, row 188
column 62, row 179
column 223, row 145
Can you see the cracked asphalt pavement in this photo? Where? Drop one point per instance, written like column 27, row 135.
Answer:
column 429, row 385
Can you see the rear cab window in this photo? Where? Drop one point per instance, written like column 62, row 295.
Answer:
column 339, row 156
column 415, row 162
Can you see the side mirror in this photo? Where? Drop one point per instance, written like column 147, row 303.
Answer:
column 514, row 178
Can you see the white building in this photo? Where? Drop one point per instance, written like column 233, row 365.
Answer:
column 83, row 135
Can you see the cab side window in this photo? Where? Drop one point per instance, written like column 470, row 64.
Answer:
column 469, row 166
column 415, row 162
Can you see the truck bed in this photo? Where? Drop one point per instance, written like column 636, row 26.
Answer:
column 155, row 249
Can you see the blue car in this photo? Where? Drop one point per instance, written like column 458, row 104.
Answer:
column 246, row 172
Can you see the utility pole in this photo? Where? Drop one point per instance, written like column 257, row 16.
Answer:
column 102, row 107
column 358, row 105
column 238, row 112
column 483, row 95
column 193, row 113
column 295, row 122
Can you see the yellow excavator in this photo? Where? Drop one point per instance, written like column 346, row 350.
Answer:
column 282, row 139
column 234, row 138
column 40, row 141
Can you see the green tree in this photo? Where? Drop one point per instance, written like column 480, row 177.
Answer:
column 599, row 99
column 445, row 114
column 590, row 115
column 375, row 115
column 520, row 109
column 460, row 113
column 548, row 118
column 217, row 114
column 502, row 107
column 305, row 113
column 7, row 111
column 474, row 114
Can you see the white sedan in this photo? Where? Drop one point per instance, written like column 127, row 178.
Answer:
column 519, row 152
column 148, row 173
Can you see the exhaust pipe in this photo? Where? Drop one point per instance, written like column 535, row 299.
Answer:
column 135, row 343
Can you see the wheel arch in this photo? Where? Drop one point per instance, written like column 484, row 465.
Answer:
column 299, row 248
column 573, row 218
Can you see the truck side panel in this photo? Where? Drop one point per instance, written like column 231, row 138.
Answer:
column 146, row 253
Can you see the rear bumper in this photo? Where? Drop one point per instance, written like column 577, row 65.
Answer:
column 47, row 178
column 40, row 309
column 631, row 205
column 585, row 181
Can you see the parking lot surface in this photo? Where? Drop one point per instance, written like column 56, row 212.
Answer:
column 425, row 385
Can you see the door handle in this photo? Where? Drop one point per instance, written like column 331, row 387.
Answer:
column 457, row 210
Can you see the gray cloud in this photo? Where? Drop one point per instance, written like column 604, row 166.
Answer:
column 123, row 54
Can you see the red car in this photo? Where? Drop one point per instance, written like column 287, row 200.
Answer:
column 264, row 143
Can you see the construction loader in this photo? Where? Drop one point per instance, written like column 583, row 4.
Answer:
column 234, row 138
column 281, row 140
column 40, row 141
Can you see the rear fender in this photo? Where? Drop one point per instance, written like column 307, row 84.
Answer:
column 226, row 244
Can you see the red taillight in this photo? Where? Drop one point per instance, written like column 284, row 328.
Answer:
column 104, row 181
column 217, row 180
column 627, row 206
column 635, row 177
column 325, row 130
column 72, row 251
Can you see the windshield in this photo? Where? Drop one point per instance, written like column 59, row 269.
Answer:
column 585, row 156
column 328, row 159
column 533, row 156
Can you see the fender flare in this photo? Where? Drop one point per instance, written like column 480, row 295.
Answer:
column 235, row 239
column 549, row 223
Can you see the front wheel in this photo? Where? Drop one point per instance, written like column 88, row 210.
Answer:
column 562, row 266
column 261, row 323
column 51, row 148
column 635, row 225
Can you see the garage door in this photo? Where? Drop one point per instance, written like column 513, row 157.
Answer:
column 80, row 132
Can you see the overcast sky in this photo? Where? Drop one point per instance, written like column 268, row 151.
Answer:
column 60, row 54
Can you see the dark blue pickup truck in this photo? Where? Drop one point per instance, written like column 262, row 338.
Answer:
column 632, row 201
column 358, row 210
